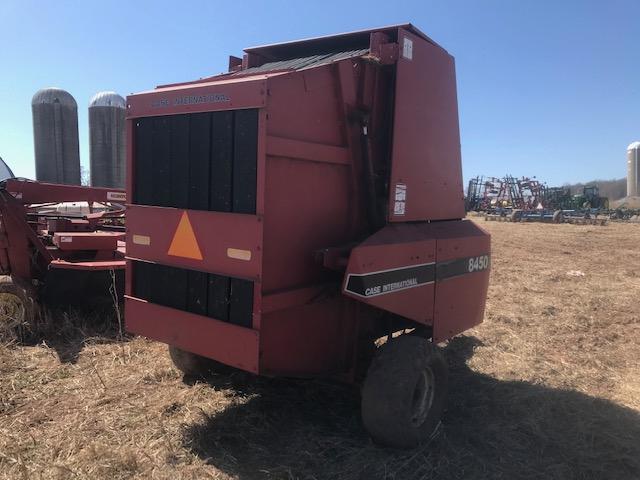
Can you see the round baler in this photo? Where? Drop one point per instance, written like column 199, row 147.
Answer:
column 302, row 215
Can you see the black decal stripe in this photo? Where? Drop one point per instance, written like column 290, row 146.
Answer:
column 379, row 283
column 389, row 281
column 460, row 266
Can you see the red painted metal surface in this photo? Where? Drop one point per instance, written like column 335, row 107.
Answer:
column 447, row 250
column 396, row 246
column 37, row 238
column 460, row 300
column 233, row 345
column 230, row 244
column 200, row 97
column 30, row 192
column 88, row 266
column 69, row 241
column 426, row 172
column 321, row 344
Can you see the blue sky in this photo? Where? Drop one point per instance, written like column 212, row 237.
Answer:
column 545, row 88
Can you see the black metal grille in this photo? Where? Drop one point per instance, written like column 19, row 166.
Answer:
column 198, row 161
column 216, row 296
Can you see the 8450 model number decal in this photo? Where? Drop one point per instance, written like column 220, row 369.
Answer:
column 478, row 263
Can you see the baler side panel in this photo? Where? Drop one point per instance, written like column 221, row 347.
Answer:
column 303, row 106
column 307, row 179
column 308, row 340
column 464, row 257
column 426, row 172
column 394, row 270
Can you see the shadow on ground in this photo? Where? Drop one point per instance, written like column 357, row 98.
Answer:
column 69, row 330
column 492, row 430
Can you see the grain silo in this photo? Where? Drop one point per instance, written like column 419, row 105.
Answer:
column 55, row 135
column 107, row 140
column 633, row 158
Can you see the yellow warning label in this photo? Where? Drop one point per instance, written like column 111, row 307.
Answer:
column 184, row 243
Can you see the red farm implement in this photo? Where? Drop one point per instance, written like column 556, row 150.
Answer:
column 286, row 215
column 59, row 245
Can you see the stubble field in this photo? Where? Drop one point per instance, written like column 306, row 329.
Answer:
column 547, row 387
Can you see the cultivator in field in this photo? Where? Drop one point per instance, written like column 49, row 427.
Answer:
column 493, row 193
column 529, row 200
column 548, row 216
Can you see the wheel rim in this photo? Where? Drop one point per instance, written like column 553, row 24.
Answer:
column 423, row 394
column 12, row 312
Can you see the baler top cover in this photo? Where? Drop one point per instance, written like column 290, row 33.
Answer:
column 417, row 156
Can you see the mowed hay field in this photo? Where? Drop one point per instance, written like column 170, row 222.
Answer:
column 548, row 387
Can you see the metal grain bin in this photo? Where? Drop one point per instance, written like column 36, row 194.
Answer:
column 107, row 140
column 55, row 135
column 633, row 156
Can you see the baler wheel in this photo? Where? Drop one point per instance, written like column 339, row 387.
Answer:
column 18, row 310
column 195, row 365
column 516, row 215
column 558, row 216
column 404, row 393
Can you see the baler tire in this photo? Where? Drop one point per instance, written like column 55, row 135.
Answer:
column 194, row 365
column 18, row 311
column 404, row 393
column 516, row 215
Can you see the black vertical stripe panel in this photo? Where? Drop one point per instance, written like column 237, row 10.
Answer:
column 197, row 292
column 199, row 160
column 142, row 181
column 221, row 161
column 160, row 166
column 179, row 161
column 218, row 297
column 245, row 154
column 142, row 271
column 241, row 302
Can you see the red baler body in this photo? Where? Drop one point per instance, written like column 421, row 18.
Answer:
column 303, row 204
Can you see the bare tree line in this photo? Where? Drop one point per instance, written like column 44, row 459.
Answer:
column 613, row 189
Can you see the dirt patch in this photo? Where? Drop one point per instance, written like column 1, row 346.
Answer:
column 547, row 387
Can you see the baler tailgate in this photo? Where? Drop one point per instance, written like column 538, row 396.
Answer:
column 210, row 241
column 229, row 344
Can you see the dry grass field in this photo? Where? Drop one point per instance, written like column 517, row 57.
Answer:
column 547, row 388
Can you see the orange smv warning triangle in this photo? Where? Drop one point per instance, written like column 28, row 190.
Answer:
column 184, row 243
